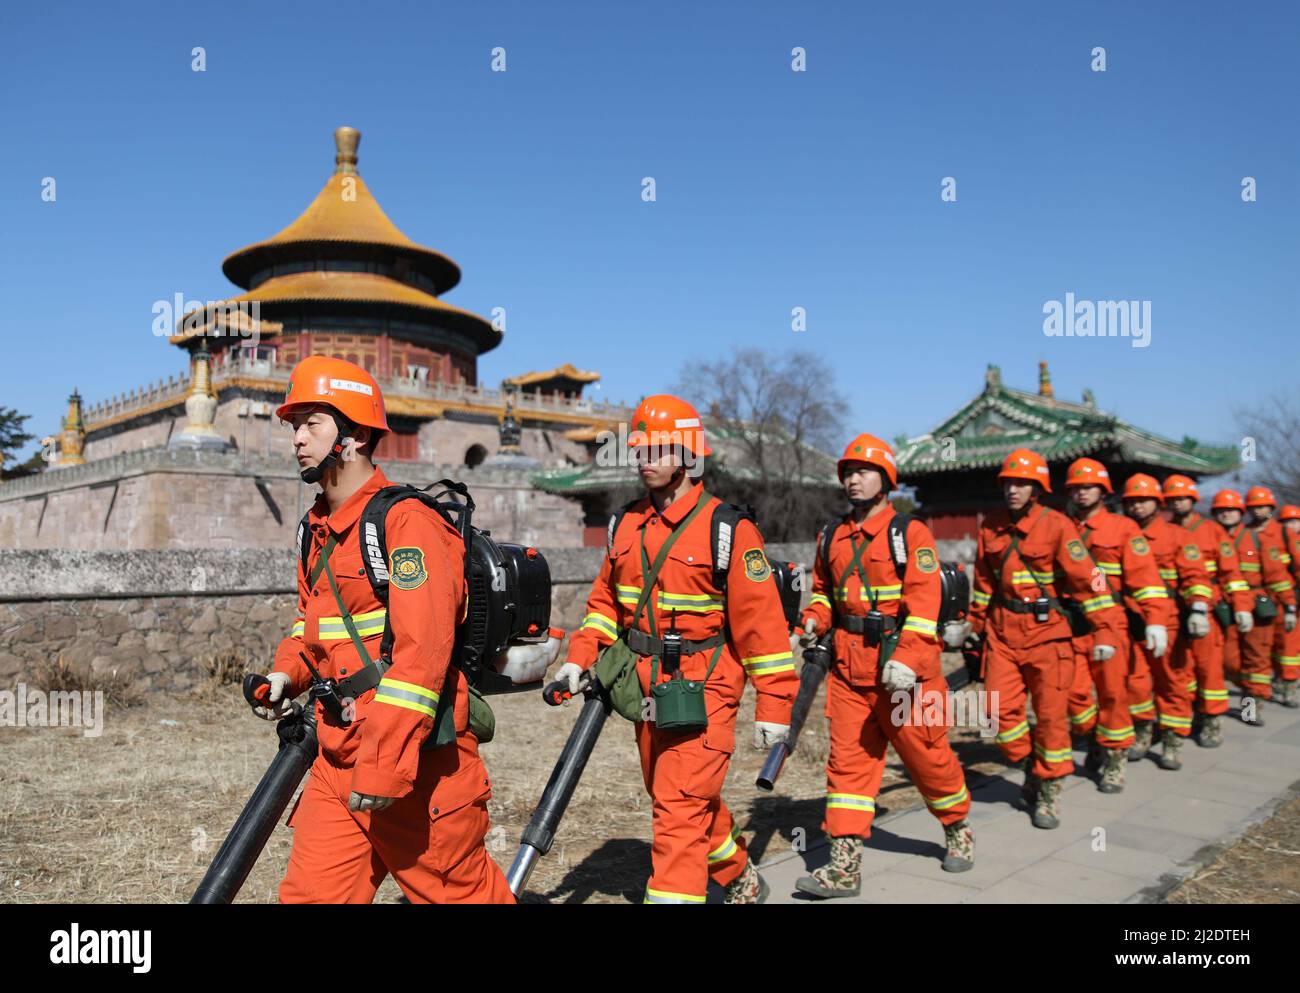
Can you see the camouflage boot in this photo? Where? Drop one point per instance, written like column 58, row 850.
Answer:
column 1211, row 733
column 1284, row 692
column 1029, row 789
column 842, row 876
column 961, row 847
column 1112, row 773
column 1141, row 741
column 748, row 887
column 1170, row 746
column 1047, row 810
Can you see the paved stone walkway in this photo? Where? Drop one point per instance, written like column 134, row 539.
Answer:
column 1124, row 848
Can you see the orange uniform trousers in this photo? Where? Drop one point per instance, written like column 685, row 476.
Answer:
column 695, row 837
column 1160, row 689
column 431, row 840
column 1286, row 652
column 1108, row 715
column 1209, row 687
column 1043, row 673
column 1253, row 655
column 864, row 722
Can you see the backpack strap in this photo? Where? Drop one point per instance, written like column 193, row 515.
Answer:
column 722, row 535
column 304, row 541
column 615, row 520
column 898, row 525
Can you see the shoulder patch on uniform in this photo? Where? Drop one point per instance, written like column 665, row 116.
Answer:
column 926, row 560
column 1139, row 545
column 407, row 568
column 1193, row 551
column 1274, row 554
column 756, row 565
column 1225, row 549
column 1077, row 552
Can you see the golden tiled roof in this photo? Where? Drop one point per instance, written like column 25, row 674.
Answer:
column 344, row 213
column 566, row 371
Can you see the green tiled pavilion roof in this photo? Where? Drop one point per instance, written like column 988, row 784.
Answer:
column 983, row 432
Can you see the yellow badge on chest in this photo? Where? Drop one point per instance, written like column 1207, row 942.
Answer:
column 757, row 567
column 406, row 568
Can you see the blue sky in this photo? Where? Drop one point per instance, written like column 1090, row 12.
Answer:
column 775, row 189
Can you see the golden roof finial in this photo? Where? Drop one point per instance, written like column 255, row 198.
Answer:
column 346, row 141
column 1044, row 381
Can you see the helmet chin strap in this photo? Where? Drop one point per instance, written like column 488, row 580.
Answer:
column 343, row 430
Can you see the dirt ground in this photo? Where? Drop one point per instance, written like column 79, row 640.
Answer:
column 1262, row 867
column 137, row 814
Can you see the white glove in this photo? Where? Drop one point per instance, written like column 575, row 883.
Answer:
column 1157, row 640
column 1103, row 653
column 807, row 635
column 1245, row 621
column 365, row 801
column 1198, row 623
column 766, row 735
column 1288, row 621
column 897, row 676
column 280, row 704
column 570, row 673
column 955, row 633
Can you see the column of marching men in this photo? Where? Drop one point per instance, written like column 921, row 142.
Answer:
column 1109, row 627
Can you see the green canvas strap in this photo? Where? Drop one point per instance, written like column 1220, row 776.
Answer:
column 320, row 562
column 347, row 618
column 855, row 565
column 650, row 576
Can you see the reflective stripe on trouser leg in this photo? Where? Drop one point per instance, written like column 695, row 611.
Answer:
column 1004, row 676
column 1286, row 652
column 932, row 766
column 1207, row 657
column 685, row 779
column 1114, row 724
column 1257, row 661
column 1083, row 708
column 856, row 762
column 1049, row 671
column 1172, row 687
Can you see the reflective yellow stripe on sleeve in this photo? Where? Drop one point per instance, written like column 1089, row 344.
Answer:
column 601, row 623
column 1150, row 593
column 299, row 626
column 767, row 665
column 921, row 625
column 397, row 693
column 819, row 600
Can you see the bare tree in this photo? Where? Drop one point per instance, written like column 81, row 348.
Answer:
column 1272, row 430
column 774, row 417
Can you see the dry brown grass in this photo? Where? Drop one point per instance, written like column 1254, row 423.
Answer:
column 60, row 675
column 137, row 814
column 1262, row 867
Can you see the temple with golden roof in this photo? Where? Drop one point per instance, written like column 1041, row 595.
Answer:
column 343, row 280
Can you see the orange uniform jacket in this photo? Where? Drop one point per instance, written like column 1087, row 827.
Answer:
column 758, row 642
column 393, row 720
column 1263, row 561
column 1123, row 553
column 1180, row 562
column 914, row 598
column 1051, row 557
column 1221, row 562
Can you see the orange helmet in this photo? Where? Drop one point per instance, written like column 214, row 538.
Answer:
column 1026, row 464
column 1260, row 496
column 1088, row 472
column 340, row 384
column 664, row 420
column 871, row 450
column 1180, row 486
column 1141, row 486
column 1228, row 500
column 1290, row 512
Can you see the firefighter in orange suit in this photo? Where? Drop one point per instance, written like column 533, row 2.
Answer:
column 1182, row 570
column 1125, row 567
column 1275, row 556
column 1248, row 657
column 1230, row 604
column 873, row 705
column 738, row 628
column 1026, row 560
column 377, row 801
column 1286, row 646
